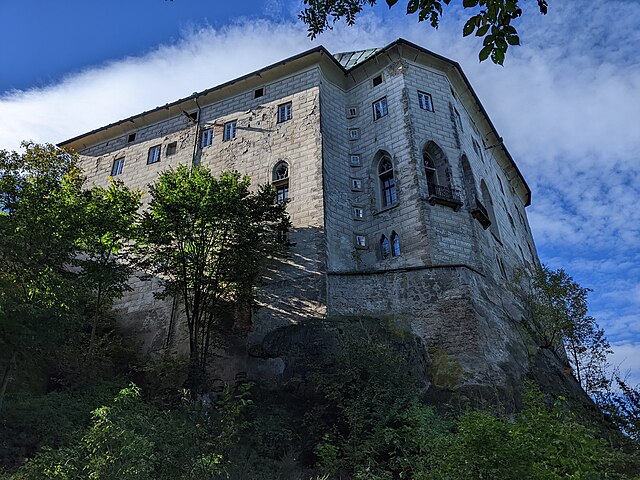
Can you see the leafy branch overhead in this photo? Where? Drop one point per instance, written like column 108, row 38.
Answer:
column 491, row 20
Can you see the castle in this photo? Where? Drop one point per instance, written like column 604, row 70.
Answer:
column 406, row 207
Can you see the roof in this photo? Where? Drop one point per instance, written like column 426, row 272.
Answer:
column 350, row 60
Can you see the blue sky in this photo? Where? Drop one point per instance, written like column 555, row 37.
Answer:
column 567, row 102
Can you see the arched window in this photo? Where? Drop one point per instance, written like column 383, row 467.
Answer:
column 488, row 205
column 280, row 180
column 430, row 171
column 387, row 182
column 385, row 248
column 395, row 244
column 436, row 171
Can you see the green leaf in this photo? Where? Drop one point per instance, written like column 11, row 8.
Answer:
column 513, row 40
column 391, row 3
column 482, row 31
column 468, row 27
column 484, row 53
column 469, row 3
column 412, row 6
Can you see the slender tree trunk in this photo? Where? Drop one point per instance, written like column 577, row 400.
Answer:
column 96, row 319
column 6, row 376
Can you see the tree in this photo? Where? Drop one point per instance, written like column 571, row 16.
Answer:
column 205, row 238
column 492, row 19
column 40, row 219
column 557, row 311
column 110, row 216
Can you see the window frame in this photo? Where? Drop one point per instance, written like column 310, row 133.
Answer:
column 355, row 160
column 396, row 251
column 380, row 108
column 117, row 171
column 230, row 130
column 206, row 137
column 387, row 182
column 425, row 95
column 354, row 134
column 287, row 108
column 154, row 154
column 281, row 183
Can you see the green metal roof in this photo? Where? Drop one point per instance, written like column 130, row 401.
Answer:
column 349, row 60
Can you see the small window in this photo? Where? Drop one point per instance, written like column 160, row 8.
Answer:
column 206, row 138
column 131, row 137
column 193, row 116
column 118, row 165
column 284, row 112
column 361, row 241
column 281, row 171
column 154, row 154
column 229, row 131
column 385, row 248
column 356, row 184
column 354, row 133
column 395, row 244
column 380, row 108
column 425, row 101
column 258, row 92
column 387, row 182
column 171, row 149
column 352, row 112
column 354, row 160
column 358, row 213
column 377, row 80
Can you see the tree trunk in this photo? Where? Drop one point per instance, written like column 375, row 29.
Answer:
column 6, row 377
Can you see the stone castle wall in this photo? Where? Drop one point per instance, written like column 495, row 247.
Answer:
column 446, row 289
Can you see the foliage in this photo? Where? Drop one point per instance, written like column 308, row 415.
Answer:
column 558, row 314
column 130, row 439
column 31, row 421
column 205, row 238
column 492, row 19
column 110, row 216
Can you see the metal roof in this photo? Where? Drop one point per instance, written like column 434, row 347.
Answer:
column 350, row 60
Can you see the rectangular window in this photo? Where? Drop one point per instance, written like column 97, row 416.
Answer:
column 380, row 108
column 131, row 137
column 171, row 149
column 361, row 241
column 259, row 92
column 118, row 165
column 354, row 133
column 425, row 101
column 377, row 80
column 356, row 184
column 358, row 213
column 284, row 112
column 352, row 112
column 229, row 131
column 206, row 138
column 154, row 154
column 282, row 192
column 354, row 160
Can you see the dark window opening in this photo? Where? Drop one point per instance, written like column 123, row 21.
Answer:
column 131, row 137
column 387, row 182
column 259, row 92
column 172, row 148
column 377, row 80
